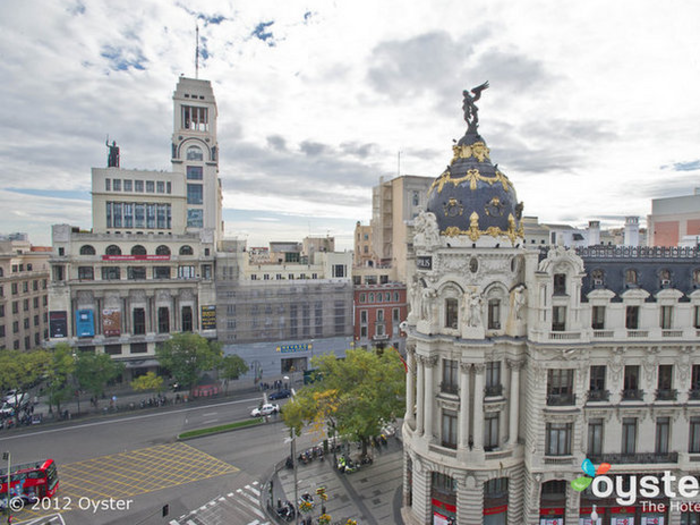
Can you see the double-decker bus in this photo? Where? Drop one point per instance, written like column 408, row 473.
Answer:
column 30, row 481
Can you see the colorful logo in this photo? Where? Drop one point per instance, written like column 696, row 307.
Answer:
column 580, row 484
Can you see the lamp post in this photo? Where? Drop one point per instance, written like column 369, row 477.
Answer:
column 594, row 516
column 75, row 380
column 294, row 463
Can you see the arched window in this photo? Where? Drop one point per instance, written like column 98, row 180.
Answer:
column 696, row 277
column 195, row 153
column 631, row 277
column 162, row 250
column 138, row 250
column 186, row 250
column 113, row 249
column 87, row 250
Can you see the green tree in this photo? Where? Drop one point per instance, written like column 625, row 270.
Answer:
column 354, row 396
column 187, row 354
column 148, row 381
column 94, row 371
column 231, row 367
column 21, row 370
column 59, row 375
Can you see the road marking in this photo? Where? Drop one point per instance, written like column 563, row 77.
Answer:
column 173, row 522
column 210, row 414
column 253, row 490
column 208, row 421
column 247, row 496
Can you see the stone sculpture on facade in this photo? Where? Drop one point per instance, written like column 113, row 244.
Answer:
column 425, row 231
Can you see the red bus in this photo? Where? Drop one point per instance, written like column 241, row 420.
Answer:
column 30, row 480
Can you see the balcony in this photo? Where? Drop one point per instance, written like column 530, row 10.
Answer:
column 598, row 395
column 493, row 391
column 694, row 395
column 667, row 394
column 559, row 335
column 449, row 388
column 633, row 394
column 642, row 458
column 561, row 400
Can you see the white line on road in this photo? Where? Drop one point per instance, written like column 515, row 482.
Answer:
column 120, row 420
column 210, row 414
column 208, row 421
column 254, row 491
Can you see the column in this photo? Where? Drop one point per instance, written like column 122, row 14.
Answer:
column 479, row 406
column 430, row 363
column 411, row 386
column 420, row 409
column 573, row 503
column 464, row 399
column 514, row 401
column 470, row 501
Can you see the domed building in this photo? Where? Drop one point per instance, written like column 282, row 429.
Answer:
column 524, row 362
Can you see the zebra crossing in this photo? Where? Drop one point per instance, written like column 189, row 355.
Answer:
column 240, row 506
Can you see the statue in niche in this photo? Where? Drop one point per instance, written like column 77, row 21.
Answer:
column 414, row 291
column 427, row 303
column 471, row 309
column 471, row 112
column 519, row 301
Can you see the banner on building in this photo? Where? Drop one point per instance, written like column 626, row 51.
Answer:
column 136, row 257
column 209, row 317
column 288, row 349
column 58, row 324
column 85, row 323
column 111, row 322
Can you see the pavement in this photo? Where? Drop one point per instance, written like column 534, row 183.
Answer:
column 371, row 496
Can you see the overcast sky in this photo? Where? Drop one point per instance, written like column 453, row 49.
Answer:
column 593, row 108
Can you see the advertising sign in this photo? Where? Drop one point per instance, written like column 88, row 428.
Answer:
column 288, row 349
column 424, row 262
column 136, row 257
column 209, row 317
column 58, row 324
column 85, row 323
column 111, row 322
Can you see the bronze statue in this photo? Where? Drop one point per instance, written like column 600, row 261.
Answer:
column 113, row 157
column 471, row 112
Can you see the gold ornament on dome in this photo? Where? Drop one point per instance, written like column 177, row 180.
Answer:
column 479, row 150
column 473, row 176
column 453, row 208
column 494, row 208
column 474, row 233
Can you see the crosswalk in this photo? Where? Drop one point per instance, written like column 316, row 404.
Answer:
column 241, row 506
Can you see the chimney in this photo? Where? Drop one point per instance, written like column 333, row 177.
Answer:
column 593, row 233
column 631, row 237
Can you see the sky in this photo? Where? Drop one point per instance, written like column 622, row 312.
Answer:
column 592, row 109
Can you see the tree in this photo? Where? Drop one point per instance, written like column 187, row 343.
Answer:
column 354, row 396
column 94, row 371
column 231, row 367
column 148, row 381
column 58, row 375
column 187, row 354
column 21, row 370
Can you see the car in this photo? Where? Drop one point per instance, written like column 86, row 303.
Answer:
column 17, row 399
column 280, row 394
column 265, row 410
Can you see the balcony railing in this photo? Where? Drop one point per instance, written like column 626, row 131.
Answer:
column 642, row 458
column 449, row 388
column 666, row 394
column 493, row 391
column 632, row 394
column 560, row 400
column 599, row 395
column 694, row 395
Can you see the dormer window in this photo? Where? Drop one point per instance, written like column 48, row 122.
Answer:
column 631, row 278
column 665, row 278
column 597, row 276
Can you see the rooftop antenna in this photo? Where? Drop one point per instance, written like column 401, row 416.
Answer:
column 196, row 56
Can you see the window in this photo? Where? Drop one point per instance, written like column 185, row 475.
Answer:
column 139, row 318
column 666, row 318
column 186, row 318
column 451, row 313
column 86, row 273
column 662, row 434
column 363, row 298
column 138, row 186
column 416, row 198
column 598, row 278
column 629, row 435
column 150, row 186
column 195, row 153
column 161, row 272
column 450, row 369
column 108, row 184
column 664, row 278
column 558, row 439
column 87, row 250
column 127, row 184
column 597, row 390
column 195, row 173
column 160, row 186
column 138, row 250
column 2, row 310
column 559, row 284
column 363, row 316
column 15, row 288
column 631, row 384
column 195, row 218
column 695, row 379
column 598, row 318
column 380, row 316
column 194, row 118
column 395, row 313
column 136, row 273
column 113, row 349
column 26, row 305
column 162, row 250
column 494, row 314
column 560, row 387
column 595, row 437
column 186, row 272
column 449, row 429
column 206, row 271
column 632, row 317
column 139, row 348
column 696, row 317
column 117, row 185
column 338, row 270
column 113, row 249
column 694, row 441
column 631, row 278
column 163, row 320
column 558, row 318
column 110, row 273
column 186, row 250
column 493, row 379
column 491, row 424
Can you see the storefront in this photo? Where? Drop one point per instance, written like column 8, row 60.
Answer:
column 444, row 499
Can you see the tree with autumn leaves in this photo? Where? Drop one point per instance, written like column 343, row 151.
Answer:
column 353, row 397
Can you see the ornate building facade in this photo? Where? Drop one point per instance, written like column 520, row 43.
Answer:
column 524, row 362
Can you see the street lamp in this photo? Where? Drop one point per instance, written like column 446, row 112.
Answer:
column 75, row 380
column 594, row 516
column 294, row 461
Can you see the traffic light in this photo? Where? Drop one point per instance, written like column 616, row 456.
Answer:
column 321, row 492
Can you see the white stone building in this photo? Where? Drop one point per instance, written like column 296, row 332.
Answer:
column 524, row 362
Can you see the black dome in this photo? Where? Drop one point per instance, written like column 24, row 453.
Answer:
column 473, row 197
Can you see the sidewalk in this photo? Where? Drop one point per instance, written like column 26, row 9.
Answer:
column 372, row 495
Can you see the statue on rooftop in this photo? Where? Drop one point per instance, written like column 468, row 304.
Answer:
column 471, row 112
column 113, row 156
